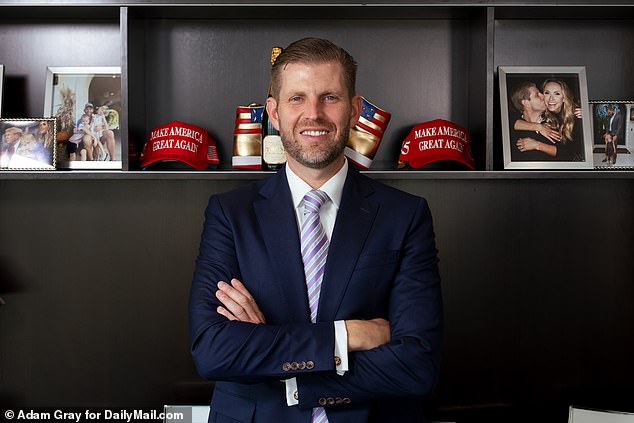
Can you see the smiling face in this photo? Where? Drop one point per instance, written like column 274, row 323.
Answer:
column 313, row 112
column 12, row 135
column 554, row 97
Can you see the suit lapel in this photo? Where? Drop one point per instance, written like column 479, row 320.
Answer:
column 277, row 221
column 354, row 221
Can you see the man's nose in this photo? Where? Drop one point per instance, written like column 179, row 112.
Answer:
column 314, row 108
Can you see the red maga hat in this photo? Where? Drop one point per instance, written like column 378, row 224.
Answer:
column 434, row 141
column 180, row 142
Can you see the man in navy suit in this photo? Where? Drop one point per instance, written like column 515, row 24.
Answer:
column 351, row 336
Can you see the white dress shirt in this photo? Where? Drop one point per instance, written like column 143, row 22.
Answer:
column 328, row 215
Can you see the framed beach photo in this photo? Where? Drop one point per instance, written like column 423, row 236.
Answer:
column 545, row 118
column 613, row 134
column 86, row 104
column 27, row 144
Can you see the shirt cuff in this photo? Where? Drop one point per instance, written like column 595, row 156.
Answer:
column 341, row 347
column 291, row 391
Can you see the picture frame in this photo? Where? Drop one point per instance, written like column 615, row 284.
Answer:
column 613, row 117
column 27, row 144
column 1, row 85
column 71, row 93
column 563, row 140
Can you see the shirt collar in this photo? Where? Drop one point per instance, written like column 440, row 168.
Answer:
column 333, row 187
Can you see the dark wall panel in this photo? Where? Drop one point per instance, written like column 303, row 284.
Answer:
column 27, row 47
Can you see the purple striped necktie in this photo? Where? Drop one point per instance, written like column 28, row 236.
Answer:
column 314, row 254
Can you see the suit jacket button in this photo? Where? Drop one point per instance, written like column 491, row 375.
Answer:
column 310, row 365
column 337, row 361
column 301, row 365
column 294, row 365
column 330, row 401
column 286, row 366
column 322, row 401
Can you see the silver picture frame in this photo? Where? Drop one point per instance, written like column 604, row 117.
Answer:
column 27, row 144
column 605, row 156
column 70, row 91
column 530, row 149
column 1, row 85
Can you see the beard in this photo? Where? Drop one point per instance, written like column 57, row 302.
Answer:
column 316, row 156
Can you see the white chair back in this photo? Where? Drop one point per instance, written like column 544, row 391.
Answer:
column 580, row 415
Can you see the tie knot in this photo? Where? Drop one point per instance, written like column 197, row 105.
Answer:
column 313, row 200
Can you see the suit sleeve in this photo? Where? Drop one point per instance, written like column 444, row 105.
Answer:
column 240, row 351
column 408, row 365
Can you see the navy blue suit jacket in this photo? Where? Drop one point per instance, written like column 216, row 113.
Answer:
column 382, row 262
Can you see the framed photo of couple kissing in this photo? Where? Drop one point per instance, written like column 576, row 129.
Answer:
column 545, row 117
column 86, row 103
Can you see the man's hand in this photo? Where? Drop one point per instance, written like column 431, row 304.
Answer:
column 364, row 335
column 549, row 133
column 238, row 303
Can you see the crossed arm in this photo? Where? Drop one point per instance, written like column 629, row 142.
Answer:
column 239, row 304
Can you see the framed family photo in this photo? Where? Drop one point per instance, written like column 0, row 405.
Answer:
column 86, row 104
column 27, row 144
column 613, row 134
column 545, row 117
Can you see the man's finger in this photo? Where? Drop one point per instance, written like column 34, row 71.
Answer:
column 226, row 313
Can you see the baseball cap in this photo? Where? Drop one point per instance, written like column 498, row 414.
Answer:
column 436, row 141
column 89, row 105
column 177, row 143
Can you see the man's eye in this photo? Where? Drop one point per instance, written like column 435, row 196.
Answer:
column 295, row 99
column 331, row 98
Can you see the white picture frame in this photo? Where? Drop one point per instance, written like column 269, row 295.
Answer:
column 69, row 91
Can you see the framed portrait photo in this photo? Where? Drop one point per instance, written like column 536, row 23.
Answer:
column 27, row 144
column 613, row 134
column 545, row 117
column 86, row 104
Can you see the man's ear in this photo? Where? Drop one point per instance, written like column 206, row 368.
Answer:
column 355, row 111
column 271, row 109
